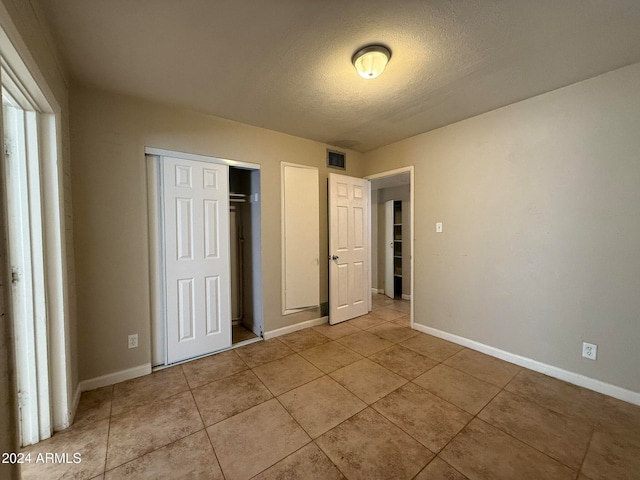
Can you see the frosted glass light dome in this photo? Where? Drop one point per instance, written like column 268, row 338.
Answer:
column 371, row 61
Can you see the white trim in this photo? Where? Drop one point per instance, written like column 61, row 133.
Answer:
column 74, row 406
column 555, row 372
column 20, row 66
column 389, row 173
column 156, row 260
column 406, row 297
column 116, row 377
column 294, row 328
column 18, row 57
column 369, row 259
column 62, row 387
column 200, row 158
column 377, row 291
column 249, row 341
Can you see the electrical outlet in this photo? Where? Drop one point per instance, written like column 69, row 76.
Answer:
column 133, row 340
column 439, row 227
column 589, row 350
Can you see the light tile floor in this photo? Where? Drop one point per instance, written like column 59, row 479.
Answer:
column 366, row 399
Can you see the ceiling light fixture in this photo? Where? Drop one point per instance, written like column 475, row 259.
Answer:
column 371, row 60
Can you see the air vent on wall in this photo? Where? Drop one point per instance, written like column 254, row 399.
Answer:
column 336, row 159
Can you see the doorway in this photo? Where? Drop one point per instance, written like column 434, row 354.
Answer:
column 392, row 253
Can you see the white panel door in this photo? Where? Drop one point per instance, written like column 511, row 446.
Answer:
column 388, row 249
column 348, row 247
column 197, row 270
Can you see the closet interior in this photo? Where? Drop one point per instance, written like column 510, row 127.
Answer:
column 244, row 233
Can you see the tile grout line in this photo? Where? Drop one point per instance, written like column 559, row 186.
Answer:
column 585, row 421
column 503, row 389
column 167, row 444
column 106, row 450
column 437, row 454
column 215, row 454
column 586, row 452
column 327, row 456
column 297, row 386
column 299, row 426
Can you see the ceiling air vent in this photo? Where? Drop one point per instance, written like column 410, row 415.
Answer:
column 336, row 159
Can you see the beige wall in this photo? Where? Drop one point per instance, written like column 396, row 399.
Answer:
column 540, row 209
column 109, row 133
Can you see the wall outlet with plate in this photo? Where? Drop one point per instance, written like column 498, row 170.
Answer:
column 589, row 350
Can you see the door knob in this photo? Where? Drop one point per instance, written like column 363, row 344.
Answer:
column 335, row 257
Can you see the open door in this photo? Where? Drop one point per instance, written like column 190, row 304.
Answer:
column 196, row 231
column 349, row 288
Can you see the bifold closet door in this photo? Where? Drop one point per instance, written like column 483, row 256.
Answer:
column 197, row 270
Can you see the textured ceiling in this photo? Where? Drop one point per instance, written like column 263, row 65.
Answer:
column 286, row 64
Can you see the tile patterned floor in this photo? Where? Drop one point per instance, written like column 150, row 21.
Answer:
column 366, row 399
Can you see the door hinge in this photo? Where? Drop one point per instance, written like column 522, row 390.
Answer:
column 15, row 275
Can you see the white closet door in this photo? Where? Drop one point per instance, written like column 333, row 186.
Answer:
column 197, row 271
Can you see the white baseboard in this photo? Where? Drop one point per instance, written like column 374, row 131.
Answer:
column 556, row 372
column 376, row 291
column 406, row 297
column 294, row 328
column 116, row 377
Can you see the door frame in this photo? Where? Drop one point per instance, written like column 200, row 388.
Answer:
column 390, row 173
column 57, row 395
column 153, row 159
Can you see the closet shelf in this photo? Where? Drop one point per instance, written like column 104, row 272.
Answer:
column 238, row 197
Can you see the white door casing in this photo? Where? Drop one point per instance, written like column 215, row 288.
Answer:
column 388, row 249
column 197, row 268
column 349, row 288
